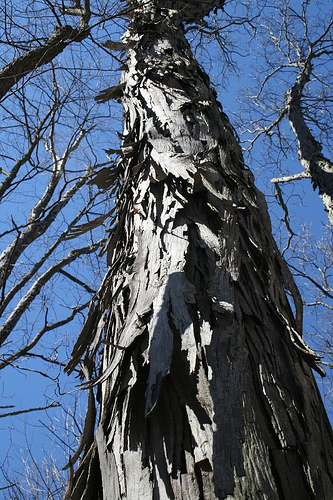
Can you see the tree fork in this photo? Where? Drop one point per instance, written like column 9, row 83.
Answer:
column 206, row 390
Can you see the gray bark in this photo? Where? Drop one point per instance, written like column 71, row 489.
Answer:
column 310, row 154
column 206, row 390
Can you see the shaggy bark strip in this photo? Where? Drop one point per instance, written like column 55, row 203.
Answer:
column 205, row 386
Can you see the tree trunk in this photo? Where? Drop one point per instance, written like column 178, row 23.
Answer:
column 310, row 154
column 205, row 388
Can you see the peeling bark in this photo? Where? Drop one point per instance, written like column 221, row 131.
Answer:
column 206, row 390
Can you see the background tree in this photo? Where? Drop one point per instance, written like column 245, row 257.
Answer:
column 47, row 127
column 285, row 119
column 205, row 383
column 293, row 82
column 54, row 205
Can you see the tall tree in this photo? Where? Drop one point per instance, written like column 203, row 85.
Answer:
column 205, row 389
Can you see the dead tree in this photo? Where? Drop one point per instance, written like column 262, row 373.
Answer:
column 205, row 385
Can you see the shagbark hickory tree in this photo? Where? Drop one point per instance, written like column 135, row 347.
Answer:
column 205, row 386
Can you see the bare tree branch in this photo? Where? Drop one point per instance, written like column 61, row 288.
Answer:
column 7, row 327
column 47, row 328
column 290, row 178
column 29, row 410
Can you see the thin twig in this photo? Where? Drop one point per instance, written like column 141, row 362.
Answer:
column 29, row 410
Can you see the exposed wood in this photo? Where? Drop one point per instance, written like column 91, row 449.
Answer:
column 205, row 386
